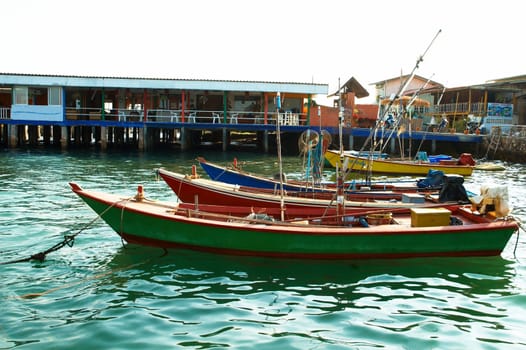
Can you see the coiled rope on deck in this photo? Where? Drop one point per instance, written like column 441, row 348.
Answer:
column 69, row 240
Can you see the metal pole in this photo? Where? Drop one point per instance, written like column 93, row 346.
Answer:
column 278, row 142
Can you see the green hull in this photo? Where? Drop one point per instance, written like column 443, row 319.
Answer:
column 163, row 229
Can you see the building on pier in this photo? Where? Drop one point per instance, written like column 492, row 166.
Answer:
column 69, row 107
column 145, row 112
column 500, row 102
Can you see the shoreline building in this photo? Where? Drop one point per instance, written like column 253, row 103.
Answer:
column 78, row 109
column 147, row 113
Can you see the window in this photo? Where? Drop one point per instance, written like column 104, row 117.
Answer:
column 21, row 95
column 54, row 96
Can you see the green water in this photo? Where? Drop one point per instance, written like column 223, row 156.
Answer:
column 101, row 294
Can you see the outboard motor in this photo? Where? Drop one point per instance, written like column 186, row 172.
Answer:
column 453, row 190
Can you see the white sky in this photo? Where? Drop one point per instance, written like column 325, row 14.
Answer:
column 272, row 40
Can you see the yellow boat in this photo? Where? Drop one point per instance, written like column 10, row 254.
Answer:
column 391, row 166
column 490, row 167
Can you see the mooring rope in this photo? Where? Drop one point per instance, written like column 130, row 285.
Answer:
column 67, row 285
column 517, row 240
column 68, row 239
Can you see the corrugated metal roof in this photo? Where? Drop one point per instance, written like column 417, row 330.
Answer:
column 352, row 85
column 514, row 79
column 402, row 77
column 160, row 83
column 483, row 87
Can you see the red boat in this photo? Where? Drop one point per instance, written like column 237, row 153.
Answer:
column 327, row 190
column 192, row 189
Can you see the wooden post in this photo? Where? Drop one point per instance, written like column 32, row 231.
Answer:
column 47, row 134
column 393, row 145
column 307, row 119
column 469, row 102
column 225, row 105
column 183, row 103
column 64, row 137
column 13, row 136
column 183, row 139
column 102, row 110
column 103, row 138
column 485, row 101
column 141, row 134
column 145, row 110
column 455, row 113
column 266, row 112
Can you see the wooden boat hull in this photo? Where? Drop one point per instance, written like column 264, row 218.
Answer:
column 395, row 167
column 353, row 190
column 490, row 167
column 196, row 190
column 157, row 224
column 236, row 177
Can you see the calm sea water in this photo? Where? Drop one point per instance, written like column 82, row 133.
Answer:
column 101, row 294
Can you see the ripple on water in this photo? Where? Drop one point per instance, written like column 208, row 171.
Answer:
column 99, row 293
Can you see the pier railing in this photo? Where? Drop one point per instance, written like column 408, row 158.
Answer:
column 5, row 113
column 190, row 116
column 477, row 108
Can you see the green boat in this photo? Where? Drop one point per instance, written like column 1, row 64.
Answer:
column 418, row 232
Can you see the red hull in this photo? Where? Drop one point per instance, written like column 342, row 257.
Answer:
column 190, row 192
column 202, row 191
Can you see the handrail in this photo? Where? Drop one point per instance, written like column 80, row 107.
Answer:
column 158, row 115
column 5, row 113
column 233, row 117
column 477, row 108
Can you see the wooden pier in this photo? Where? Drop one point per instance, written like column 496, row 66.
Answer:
column 154, row 135
column 149, row 114
column 509, row 147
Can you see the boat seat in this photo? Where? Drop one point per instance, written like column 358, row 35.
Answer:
column 191, row 117
column 175, row 117
column 233, row 118
column 215, row 118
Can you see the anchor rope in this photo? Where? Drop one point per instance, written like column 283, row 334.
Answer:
column 517, row 240
column 87, row 279
column 68, row 239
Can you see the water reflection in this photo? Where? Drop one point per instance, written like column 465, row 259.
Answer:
column 376, row 296
column 470, row 277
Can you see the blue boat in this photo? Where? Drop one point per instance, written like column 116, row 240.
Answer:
column 235, row 176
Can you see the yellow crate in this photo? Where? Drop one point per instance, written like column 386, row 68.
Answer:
column 424, row 217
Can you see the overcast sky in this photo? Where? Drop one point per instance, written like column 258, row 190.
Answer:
column 272, row 40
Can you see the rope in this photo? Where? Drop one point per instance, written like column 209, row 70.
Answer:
column 68, row 240
column 67, row 285
column 517, row 241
